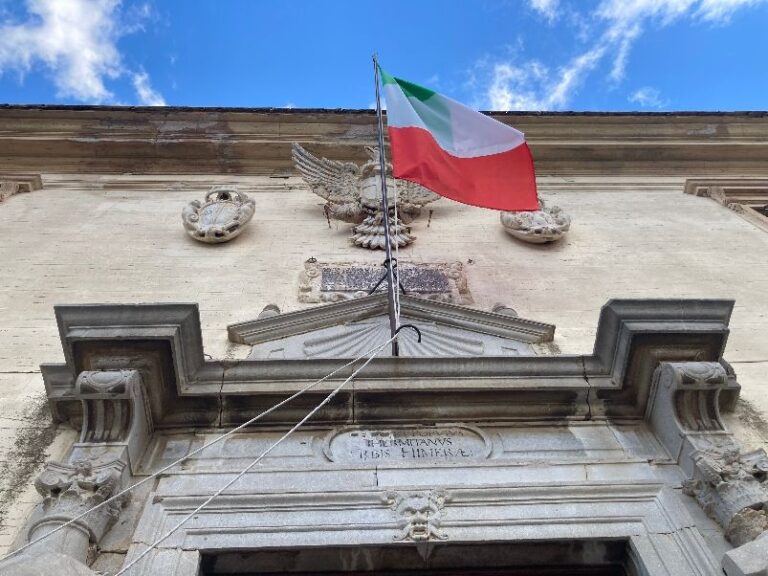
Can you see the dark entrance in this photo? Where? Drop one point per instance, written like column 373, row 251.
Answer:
column 556, row 558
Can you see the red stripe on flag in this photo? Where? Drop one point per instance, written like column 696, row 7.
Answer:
column 504, row 181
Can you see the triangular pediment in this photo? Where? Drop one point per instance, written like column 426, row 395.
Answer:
column 350, row 328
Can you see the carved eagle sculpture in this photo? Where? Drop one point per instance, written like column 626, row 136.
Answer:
column 352, row 195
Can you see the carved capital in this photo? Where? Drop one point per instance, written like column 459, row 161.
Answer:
column 69, row 490
column 418, row 514
column 731, row 487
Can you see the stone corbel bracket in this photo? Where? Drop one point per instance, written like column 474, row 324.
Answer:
column 748, row 197
column 115, row 414
column 11, row 184
column 685, row 406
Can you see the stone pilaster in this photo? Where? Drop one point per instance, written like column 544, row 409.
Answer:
column 115, row 431
column 729, row 484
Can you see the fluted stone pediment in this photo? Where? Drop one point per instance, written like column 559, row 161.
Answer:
column 351, row 328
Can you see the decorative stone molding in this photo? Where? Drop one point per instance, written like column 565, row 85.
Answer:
column 353, row 194
column 350, row 328
column 731, row 487
column 221, row 217
column 548, row 224
column 648, row 516
column 745, row 196
column 338, row 281
column 11, row 184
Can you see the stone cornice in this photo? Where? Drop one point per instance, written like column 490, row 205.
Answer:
column 163, row 342
column 257, row 141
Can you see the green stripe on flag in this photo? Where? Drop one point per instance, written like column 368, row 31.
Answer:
column 414, row 90
column 411, row 90
column 428, row 105
column 386, row 78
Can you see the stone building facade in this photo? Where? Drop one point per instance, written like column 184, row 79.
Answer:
column 596, row 405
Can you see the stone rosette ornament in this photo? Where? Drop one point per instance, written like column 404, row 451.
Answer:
column 548, row 224
column 220, row 217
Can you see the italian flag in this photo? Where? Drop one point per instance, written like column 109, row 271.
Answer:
column 455, row 151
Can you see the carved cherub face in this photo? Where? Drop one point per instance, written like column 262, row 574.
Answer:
column 83, row 468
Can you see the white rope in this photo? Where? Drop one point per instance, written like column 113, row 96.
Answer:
column 252, row 464
column 189, row 455
column 396, row 275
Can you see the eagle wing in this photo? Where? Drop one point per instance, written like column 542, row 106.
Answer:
column 411, row 197
column 337, row 182
column 411, row 193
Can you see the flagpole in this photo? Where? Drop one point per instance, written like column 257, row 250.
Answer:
column 385, row 207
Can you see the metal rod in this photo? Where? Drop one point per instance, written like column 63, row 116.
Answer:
column 385, row 207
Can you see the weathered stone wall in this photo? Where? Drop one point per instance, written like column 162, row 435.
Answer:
column 93, row 239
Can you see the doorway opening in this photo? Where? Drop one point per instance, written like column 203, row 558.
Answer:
column 551, row 558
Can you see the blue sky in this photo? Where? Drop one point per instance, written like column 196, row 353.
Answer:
column 613, row 55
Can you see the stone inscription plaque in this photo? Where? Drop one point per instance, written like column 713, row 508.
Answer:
column 352, row 279
column 334, row 282
column 456, row 443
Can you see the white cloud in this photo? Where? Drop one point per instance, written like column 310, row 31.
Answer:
column 720, row 11
column 547, row 8
column 626, row 21
column 647, row 97
column 618, row 24
column 533, row 86
column 148, row 96
column 75, row 41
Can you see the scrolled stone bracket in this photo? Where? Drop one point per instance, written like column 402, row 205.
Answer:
column 685, row 407
column 115, row 415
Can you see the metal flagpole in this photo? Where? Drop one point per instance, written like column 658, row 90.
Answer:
column 385, row 206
